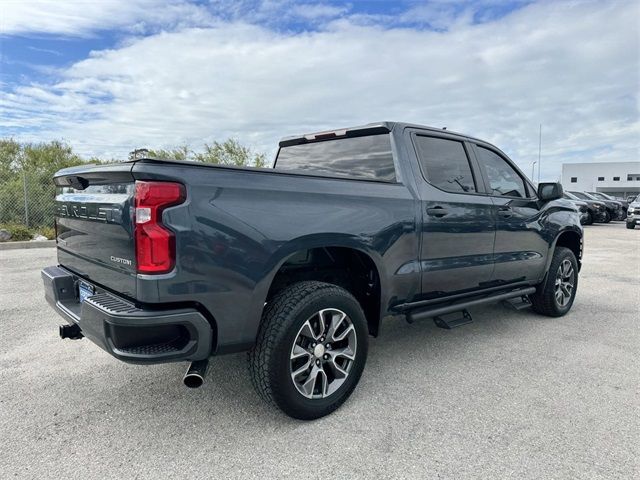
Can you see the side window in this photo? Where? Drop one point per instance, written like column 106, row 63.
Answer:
column 503, row 179
column 445, row 164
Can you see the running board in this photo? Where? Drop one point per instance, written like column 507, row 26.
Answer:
column 518, row 303
column 436, row 311
column 453, row 320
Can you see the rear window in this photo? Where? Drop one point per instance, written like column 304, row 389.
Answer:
column 365, row 158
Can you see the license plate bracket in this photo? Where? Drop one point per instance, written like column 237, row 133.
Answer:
column 85, row 291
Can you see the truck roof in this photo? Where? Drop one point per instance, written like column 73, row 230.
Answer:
column 361, row 130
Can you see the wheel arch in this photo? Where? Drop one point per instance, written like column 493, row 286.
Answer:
column 571, row 238
column 342, row 261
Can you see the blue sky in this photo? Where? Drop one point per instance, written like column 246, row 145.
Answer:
column 30, row 54
column 113, row 75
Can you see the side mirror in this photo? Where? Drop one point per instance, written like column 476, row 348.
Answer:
column 550, row 191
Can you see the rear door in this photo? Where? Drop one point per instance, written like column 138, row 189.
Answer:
column 520, row 249
column 458, row 227
column 94, row 223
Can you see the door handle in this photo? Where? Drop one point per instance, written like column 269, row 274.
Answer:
column 505, row 212
column 437, row 212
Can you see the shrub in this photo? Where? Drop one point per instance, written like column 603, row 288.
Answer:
column 48, row 232
column 18, row 232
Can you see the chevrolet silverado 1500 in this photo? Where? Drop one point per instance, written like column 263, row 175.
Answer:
column 166, row 261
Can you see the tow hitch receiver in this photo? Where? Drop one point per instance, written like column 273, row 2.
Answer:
column 71, row 331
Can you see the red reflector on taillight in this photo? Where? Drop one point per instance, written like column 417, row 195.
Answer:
column 155, row 244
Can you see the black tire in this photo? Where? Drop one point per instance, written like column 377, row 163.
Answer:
column 270, row 363
column 631, row 226
column 589, row 219
column 544, row 300
column 607, row 217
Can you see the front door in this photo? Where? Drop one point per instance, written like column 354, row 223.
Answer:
column 520, row 249
column 458, row 227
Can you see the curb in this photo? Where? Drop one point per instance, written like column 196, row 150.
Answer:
column 27, row 245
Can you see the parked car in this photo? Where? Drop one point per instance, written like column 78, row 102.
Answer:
column 595, row 211
column 633, row 213
column 583, row 210
column 165, row 261
column 604, row 196
column 611, row 208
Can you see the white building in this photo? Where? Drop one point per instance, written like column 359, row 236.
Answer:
column 619, row 179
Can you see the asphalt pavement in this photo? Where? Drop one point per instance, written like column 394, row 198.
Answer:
column 512, row 395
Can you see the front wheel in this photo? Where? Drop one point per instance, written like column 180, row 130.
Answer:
column 556, row 294
column 311, row 349
column 631, row 226
column 607, row 217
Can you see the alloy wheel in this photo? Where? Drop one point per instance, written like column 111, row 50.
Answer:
column 565, row 282
column 323, row 353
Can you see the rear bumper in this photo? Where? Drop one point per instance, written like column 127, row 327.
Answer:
column 129, row 333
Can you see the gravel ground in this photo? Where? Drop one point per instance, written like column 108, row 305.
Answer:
column 512, row 395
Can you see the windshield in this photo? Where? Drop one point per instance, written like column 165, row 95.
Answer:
column 602, row 196
column 582, row 196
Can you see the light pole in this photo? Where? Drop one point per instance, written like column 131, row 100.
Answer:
column 539, row 152
column 533, row 169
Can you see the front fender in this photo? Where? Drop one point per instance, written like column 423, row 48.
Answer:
column 577, row 229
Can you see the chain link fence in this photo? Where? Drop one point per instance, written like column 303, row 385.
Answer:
column 27, row 204
column 27, row 192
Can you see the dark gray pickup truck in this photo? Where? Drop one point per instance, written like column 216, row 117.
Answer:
column 166, row 261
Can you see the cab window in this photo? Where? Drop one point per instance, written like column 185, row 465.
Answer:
column 503, row 180
column 445, row 164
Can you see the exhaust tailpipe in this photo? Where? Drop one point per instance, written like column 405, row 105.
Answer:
column 196, row 372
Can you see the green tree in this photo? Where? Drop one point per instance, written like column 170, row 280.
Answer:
column 29, row 169
column 230, row 152
column 10, row 153
column 178, row 153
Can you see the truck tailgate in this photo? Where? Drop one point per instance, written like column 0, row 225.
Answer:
column 94, row 221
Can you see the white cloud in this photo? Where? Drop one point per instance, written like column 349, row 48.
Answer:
column 85, row 17
column 317, row 11
column 82, row 17
column 571, row 66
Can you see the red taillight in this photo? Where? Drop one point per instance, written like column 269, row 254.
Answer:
column 155, row 244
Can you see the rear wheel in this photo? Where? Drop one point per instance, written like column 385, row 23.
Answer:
column 311, row 349
column 556, row 294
